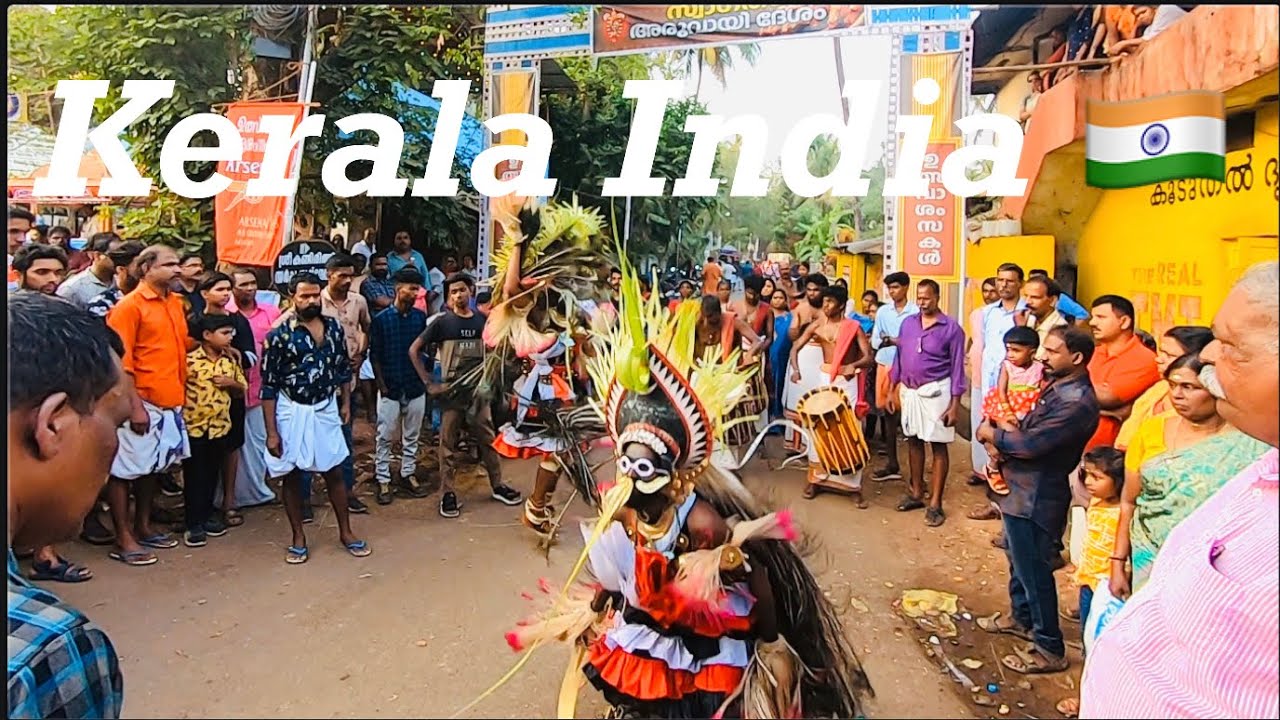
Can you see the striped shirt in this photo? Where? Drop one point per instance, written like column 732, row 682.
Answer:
column 1201, row 639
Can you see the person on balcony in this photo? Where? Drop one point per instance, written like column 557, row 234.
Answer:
column 1036, row 80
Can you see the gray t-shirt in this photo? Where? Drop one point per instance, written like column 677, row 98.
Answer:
column 83, row 287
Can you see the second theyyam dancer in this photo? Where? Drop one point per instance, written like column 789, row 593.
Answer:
column 545, row 300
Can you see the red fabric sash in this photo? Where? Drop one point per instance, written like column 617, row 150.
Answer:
column 728, row 331
column 844, row 339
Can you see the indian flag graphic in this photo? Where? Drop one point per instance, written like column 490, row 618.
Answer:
column 1169, row 137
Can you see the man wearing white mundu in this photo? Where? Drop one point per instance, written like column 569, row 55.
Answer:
column 926, row 383
column 306, row 399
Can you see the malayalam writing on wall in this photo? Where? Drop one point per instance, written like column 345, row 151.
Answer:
column 1240, row 178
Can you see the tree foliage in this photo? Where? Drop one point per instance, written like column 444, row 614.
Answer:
column 591, row 129
column 194, row 47
column 364, row 52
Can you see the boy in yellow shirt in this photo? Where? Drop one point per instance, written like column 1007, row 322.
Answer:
column 212, row 378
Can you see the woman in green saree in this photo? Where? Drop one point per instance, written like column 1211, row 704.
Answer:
column 1175, row 462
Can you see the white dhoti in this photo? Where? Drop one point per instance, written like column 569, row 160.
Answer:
column 311, row 438
column 161, row 448
column 977, row 451
column 922, row 410
column 251, row 473
column 809, row 361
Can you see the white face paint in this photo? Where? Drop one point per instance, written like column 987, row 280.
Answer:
column 648, row 478
column 1209, row 379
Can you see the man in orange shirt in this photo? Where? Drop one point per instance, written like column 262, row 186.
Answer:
column 1122, row 367
column 711, row 275
column 152, row 324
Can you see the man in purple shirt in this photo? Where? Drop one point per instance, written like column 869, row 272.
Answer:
column 927, row 378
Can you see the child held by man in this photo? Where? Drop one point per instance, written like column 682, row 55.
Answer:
column 1014, row 395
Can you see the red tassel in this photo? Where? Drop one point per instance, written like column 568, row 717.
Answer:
column 514, row 641
column 787, row 523
column 526, row 595
column 544, row 585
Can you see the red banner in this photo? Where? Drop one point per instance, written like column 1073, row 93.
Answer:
column 633, row 28
column 250, row 230
column 929, row 226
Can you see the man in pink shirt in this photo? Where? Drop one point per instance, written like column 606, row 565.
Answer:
column 251, row 474
column 1202, row 638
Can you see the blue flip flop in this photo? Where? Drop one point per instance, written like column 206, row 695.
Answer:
column 160, row 541
column 359, row 548
column 296, row 555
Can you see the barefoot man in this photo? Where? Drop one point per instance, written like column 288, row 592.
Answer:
column 845, row 352
column 807, row 311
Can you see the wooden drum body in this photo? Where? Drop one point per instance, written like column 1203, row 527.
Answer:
column 828, row 415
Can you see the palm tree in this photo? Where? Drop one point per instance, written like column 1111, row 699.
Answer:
column 716, row 59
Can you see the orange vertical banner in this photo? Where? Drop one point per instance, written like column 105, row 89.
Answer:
column 514, row 91
column 929, row 226
column 250, row 230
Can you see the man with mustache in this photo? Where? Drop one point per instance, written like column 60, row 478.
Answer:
column 809, row 358
column 306, row 401
column 1038, row 455
column 1122, row 368
column 1201, row 637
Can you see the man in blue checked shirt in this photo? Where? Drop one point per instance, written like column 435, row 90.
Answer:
column 63, row 418
column 402, row 397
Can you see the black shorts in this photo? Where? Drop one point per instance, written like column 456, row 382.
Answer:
column 235, row 438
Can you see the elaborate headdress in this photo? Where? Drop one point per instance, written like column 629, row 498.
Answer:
column 655, row 392
column 559, row 246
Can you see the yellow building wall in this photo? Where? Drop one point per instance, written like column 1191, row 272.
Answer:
column 862, row 272
column 982, row 259
column 1175, row 250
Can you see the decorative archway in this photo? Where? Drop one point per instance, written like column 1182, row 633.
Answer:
column 927, row 41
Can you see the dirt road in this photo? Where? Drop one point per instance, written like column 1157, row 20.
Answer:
column 415, row 630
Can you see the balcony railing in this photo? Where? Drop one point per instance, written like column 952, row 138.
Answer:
column 1219, row 48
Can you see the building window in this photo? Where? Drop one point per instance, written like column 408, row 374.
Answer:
column 1240, row 131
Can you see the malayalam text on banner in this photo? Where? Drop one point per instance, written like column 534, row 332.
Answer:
column 929, row 226
column 250, row 230
column 630, row 28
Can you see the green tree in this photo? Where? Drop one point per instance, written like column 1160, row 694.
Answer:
column 591, row 128
column 363, row 52
column 719, row 60
column 194, row 47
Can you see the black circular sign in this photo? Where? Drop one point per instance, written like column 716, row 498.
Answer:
column 304, row 256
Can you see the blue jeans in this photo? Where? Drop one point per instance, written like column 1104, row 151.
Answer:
column 1033, row 594
column 1086, row 601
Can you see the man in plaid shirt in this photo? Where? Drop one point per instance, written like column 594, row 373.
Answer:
column 67, row 395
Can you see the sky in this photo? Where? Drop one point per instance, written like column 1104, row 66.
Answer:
column 795, row 78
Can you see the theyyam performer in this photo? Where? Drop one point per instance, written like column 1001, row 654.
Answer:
column 545, row 299
column 701, row 605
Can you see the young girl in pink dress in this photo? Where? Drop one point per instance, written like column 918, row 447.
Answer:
column 1014, row 394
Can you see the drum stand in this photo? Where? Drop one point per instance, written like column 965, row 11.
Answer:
column 760, row 437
